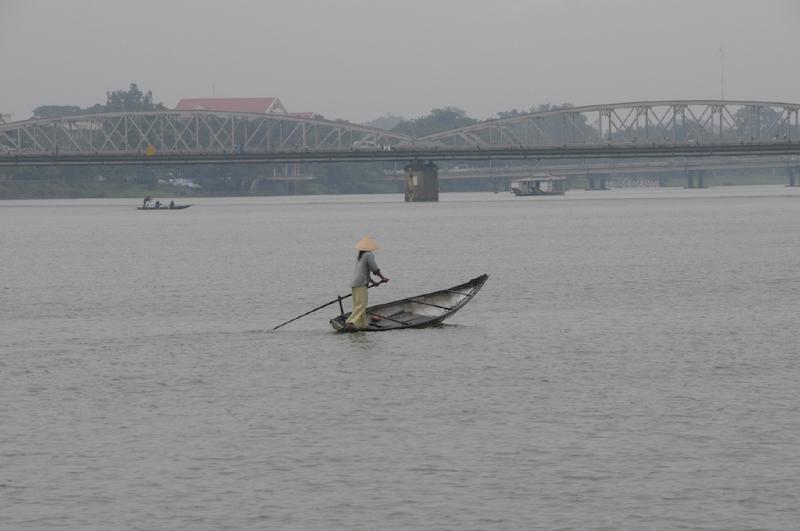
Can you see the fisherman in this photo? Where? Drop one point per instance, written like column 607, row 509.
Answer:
column 146, row 201
column 172, row 204
column 365, row 264
column 158, row 204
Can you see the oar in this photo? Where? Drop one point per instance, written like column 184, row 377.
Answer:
column 337, row 299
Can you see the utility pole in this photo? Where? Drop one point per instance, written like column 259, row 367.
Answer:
column 721, row 73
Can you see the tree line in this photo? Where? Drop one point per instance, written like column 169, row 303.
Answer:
column 132, row 99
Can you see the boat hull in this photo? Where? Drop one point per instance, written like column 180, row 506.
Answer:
column 422, row 311
column 176, row 207
column 520, row 193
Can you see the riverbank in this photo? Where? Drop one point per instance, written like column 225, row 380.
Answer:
column 63, row 189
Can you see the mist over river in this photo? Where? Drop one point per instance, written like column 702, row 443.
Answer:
column 631, row 363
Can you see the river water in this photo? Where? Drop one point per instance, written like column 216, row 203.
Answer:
column 632, row 363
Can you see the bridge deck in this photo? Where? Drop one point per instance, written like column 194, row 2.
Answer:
column 404, row 154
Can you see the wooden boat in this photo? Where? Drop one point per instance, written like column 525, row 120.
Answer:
column 421, row 311
column 167, row 207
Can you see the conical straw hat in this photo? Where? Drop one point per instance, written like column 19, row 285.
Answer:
column 366, row 244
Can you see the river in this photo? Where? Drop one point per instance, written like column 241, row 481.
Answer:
column 631, row 363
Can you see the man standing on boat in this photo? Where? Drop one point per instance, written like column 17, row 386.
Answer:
column 365, row 264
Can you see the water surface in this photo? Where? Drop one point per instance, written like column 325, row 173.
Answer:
column 630, row 364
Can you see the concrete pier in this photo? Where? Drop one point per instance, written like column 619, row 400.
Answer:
column 597, row 181
column 692, row 175
column 793, row 177
column 422, row 182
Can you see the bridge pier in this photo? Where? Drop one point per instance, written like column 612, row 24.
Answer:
column 597, row 182
column 422, row 182
column 793, row 181
column 690, row 179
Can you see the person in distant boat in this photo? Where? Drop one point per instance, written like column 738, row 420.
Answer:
column 146, row 201
column 158, row 204
column 365, row 264
column 172, row 204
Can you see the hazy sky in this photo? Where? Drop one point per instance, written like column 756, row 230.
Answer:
column 359, row 59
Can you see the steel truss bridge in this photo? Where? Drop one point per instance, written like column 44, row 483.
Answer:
column 635, row 129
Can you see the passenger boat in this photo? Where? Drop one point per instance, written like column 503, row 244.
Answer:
column 539, row 184
column 421, row 311
column 167, row 207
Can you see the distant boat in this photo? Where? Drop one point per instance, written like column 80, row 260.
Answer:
column 175, row 207
column 421, row 311
column 539, row 184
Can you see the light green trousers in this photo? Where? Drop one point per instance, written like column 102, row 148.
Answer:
column 359, row 316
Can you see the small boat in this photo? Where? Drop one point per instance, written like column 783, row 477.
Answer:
column 539, row 184
column 167, row 207
column 421, row 311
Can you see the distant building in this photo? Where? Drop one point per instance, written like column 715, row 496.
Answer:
column 253, row 105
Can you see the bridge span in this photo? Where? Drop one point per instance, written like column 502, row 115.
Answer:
column 633, row 130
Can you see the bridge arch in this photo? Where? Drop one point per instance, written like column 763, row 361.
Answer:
column 188, row 131
column 659, row 122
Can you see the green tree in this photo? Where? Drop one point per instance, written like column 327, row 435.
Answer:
column 553, row 129
column 437, row 121
column 132, row 99
column 44, row 112
column 513, row 113
column 388, row 121
column 754, row 123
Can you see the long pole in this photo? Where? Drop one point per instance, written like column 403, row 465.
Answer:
column 337, row 299
column 312, row 311
column 721, row 73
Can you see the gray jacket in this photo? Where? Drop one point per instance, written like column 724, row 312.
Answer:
column 364, row 266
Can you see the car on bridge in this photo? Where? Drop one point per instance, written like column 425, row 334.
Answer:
column 369, row 145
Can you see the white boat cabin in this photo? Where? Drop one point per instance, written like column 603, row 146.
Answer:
column 539, row 184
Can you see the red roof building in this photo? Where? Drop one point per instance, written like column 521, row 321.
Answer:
column 254, row 105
